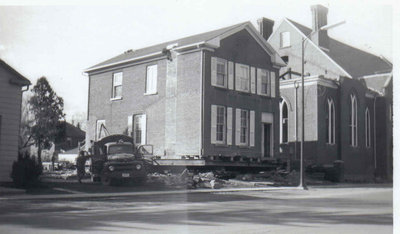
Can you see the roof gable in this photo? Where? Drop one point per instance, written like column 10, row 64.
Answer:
column 17, row 78
column 352, row 60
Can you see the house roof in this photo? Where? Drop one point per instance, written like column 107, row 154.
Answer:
column 186, row 41
column 17, row 79
column 377, row 82
column 72, row 131
column 72, row 151
column 354, row 61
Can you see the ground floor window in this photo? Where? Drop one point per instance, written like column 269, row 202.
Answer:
column 244, row 125
column 284, row 122
column 139, row 129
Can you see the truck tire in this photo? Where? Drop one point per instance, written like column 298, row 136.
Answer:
column 106, row 181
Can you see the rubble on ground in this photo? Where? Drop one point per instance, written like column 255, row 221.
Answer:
column 221, row 178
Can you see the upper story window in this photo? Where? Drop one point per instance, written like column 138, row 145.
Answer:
column 284, row 122
column 242, row 77
column 151, row 79
column 330, row 121
column 367, row 128
column 353, row 121
column 264, row 82
column 219, row 72
column 285, row 39
column 117, row 85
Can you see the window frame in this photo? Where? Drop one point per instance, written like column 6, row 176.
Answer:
column 223, row 124
column 148, row 79
column 242, row 79
column 244, row 127
column 331, row 122
column 353, row 120
column 281, row 120
column 285, row 35
column 137, row 119
column 268, row 82
column 114, row 86
column 223, row 62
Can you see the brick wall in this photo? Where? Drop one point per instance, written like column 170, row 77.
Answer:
column 133, row 102
column 239, row 48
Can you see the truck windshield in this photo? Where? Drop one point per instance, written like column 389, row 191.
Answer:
column 120, row 149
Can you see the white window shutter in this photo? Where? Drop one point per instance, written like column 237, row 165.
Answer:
column 229, row 126
column 253, row 80
column 213, row 124
column 272, row 77
column 130, row 122
column 237, row 82
column 230, row 75
column 154, row 79
column 259, row 81
column 213, row 71
column 226, row 74
column 237, row 127
column 252, row 127
column 144, row 129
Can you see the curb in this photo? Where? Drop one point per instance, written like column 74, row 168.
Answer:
column 132, row 194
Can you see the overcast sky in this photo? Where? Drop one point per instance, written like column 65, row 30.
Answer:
column 59, row 42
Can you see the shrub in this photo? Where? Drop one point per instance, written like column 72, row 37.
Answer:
column 25, row 171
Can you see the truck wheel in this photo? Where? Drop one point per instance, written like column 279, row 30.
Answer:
column 106, row 180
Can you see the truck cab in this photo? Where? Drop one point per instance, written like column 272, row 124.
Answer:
column 115, row 159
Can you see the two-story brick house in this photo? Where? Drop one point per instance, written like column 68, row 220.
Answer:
column 347, row 100
column 211, row 94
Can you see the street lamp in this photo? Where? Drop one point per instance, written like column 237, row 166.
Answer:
column 302, row 183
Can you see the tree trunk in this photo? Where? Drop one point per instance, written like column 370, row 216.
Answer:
column 39, row 154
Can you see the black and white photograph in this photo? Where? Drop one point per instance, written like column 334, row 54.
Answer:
column 199, row 116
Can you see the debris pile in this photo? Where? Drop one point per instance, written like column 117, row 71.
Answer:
column 221, row 178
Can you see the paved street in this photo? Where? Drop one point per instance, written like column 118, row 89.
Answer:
column 318, row 210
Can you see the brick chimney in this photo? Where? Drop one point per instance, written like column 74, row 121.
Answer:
column 265, row 26
column 319, row 19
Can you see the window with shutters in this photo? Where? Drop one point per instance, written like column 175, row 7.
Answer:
column 285, row 39
column 284, row 122
column 151, row 79
column 367, row 128
column 117, row 85
column 221, row 122
column 221, row 72
column 242, row 77
column 353, row 121
column 330, row 121
column 139, row 129
column 264, row 82
column 244, row 126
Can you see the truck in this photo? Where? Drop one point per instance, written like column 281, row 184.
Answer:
column 115, row 159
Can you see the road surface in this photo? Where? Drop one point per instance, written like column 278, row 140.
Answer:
column 318, row 210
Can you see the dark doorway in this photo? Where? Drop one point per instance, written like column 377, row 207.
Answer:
column 267, row 140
